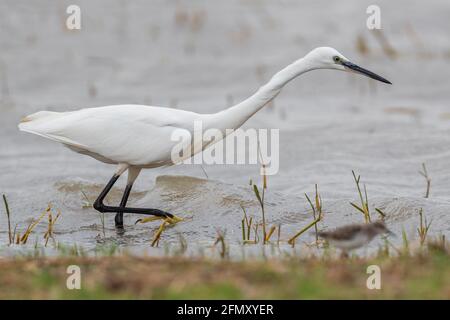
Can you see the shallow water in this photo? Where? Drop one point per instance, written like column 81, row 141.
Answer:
column 202, row 58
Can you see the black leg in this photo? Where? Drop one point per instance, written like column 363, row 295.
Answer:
column 119, row 216
column 98, row 203
column 99, row 206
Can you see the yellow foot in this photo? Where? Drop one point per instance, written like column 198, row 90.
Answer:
column 158, row 233
column 167, row 220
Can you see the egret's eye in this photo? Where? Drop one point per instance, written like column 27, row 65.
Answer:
column 336, row 59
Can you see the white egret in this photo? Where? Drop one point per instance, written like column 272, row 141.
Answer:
column 134, row 137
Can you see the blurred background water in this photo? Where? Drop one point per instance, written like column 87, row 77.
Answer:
column 205, row 56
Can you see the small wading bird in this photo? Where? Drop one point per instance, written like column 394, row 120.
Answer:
column 354, row 236
column 134, row 137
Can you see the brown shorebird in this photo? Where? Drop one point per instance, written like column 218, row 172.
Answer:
column 354, row 236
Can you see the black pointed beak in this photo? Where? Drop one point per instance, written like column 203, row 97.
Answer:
column 363, row 71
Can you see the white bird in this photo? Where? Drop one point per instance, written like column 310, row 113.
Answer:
column 134, row 137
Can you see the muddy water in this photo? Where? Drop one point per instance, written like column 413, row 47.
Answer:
column 204, row 58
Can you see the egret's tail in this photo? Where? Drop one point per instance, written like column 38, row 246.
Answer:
column 32, row 121
column 50, row 125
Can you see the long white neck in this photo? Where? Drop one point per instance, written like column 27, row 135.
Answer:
column 237, row 115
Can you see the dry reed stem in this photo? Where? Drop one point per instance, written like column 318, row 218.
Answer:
column 24, row 238
column 423, row 228
column 364, row 208
column 424, row 173
column 8, row 215
column 51, row 223
column 291, row 241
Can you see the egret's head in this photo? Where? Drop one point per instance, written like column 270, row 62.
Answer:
column 329, row 58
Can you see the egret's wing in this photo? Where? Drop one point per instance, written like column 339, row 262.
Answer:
column 138, row 135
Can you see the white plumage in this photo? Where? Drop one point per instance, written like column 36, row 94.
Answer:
column 133, row 134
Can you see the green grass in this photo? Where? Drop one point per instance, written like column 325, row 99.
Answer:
column 425, row 275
